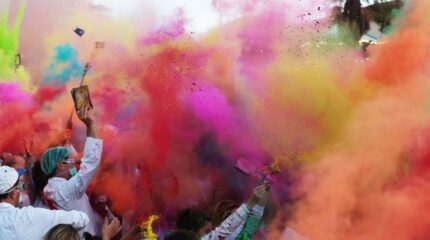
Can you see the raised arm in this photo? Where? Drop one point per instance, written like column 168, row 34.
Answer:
column 76, row 186
column 238, row 217
column 253, row 221
column 46, row 219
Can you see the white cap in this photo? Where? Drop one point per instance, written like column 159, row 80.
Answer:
column 8, row 178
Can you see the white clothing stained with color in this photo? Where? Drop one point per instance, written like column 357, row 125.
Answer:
column 34, row 223
column 70, row 194
column 229, row 225
column 257, row 210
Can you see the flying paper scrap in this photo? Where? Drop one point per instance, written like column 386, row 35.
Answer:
column 79, row 31
column 100, row 44
column 243, row 165
column 265, row 174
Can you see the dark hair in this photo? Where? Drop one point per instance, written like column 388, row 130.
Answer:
column 39, row 178
column 191, row 220
column 88, row 236
column 222, row 210
column 62, row 232
column 181, row 235
column 4, row 196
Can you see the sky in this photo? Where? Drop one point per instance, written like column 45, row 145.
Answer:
column 201, row 14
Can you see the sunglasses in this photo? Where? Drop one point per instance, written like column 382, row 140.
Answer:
column 71, row 161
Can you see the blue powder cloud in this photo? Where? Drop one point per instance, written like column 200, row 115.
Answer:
column 64, row 65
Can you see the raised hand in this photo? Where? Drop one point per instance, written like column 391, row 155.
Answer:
column 110, row 230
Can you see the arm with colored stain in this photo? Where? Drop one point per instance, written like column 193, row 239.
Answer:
column 253, row 221
column 250, row 227
column 76, row 186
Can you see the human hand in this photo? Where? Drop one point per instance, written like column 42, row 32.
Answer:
column 28, row 156
column 259, row 193
column 110, row 230
column 28, row 147
column 84, row 114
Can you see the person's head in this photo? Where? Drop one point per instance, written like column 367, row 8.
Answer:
column 56, row 162
column 88, row 236
column 10, row 185
column 194, row 221
column 62, row 232
column 14, row 161
column 182, row 235
column 222, row 210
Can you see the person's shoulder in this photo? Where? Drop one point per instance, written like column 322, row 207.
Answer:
column 26, row 209
column 30, row 211
column 55, row 180
column 53, row 184
column 35, row 214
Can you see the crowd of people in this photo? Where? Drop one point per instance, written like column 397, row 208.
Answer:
column 47, row 199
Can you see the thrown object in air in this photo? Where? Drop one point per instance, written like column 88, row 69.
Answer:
column 268, row 172
column 264, row 174
column 17, row 60
column 81, row 98
column 79, row 31
column 84, row 73
column 100, row 45
column 244, row 166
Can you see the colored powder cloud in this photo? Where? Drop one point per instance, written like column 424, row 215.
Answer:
column 272, row 84
column 173, row 29
column 9, row 43
column 64, row 65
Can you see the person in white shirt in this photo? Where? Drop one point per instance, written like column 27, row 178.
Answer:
column 234, row 223
column 28, row 222
column 66, row 186
column 199, row 223
column 23, row 167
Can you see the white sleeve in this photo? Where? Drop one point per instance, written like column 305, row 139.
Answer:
column 76, row 186
column 46, row 219
column 258, row 211
column 229, row 225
